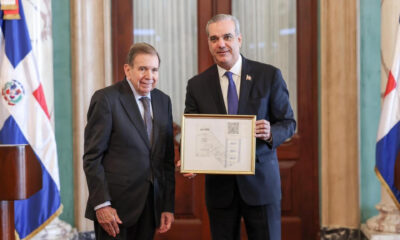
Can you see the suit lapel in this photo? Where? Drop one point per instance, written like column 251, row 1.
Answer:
column 246, row 83
column 156, row 104
column 215, row 84
column 132, row 110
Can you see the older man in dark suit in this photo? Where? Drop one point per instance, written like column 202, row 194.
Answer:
column 236, row 85
column 129, row 154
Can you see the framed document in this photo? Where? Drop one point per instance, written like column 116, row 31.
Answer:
column 218, row 144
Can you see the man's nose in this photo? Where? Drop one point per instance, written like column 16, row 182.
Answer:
column 148, row 74
column 221, row 42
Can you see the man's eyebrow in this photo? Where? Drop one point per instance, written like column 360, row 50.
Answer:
column 223, row 35
column 147, row 66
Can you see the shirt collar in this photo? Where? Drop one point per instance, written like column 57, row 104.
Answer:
column 135, row 93
column 236, row 69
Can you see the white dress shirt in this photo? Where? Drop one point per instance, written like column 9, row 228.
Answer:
column 139, row 103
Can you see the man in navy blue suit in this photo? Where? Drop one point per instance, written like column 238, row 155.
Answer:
column 249, row 88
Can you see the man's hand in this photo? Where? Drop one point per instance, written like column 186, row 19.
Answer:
column 109, row 220
column 167, row 219
column 188, row 175
column 263, row 130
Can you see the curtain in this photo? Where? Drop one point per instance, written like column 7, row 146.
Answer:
column 171, row 27
column 91, row 70
column 268, row 29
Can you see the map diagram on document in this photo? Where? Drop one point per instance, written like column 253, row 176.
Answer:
column 226, row 153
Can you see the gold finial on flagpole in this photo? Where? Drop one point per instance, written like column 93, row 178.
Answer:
column 10, row 9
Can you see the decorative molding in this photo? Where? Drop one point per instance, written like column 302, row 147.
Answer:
column 340, row 234
column 57, row 229
column 86, row 236
column 388, row 219
column 339, row 114
column 367, row 234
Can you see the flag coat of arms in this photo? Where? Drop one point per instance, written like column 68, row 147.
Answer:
column 388, row 139
column 25, row 119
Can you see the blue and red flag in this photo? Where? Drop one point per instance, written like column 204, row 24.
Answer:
column 388, row 140
column 25, row 119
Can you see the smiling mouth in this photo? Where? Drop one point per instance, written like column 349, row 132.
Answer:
column 146, row 85
column 147, row 81
column 223, row 53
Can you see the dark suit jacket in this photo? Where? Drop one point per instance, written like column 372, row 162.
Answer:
column 263, row 93
column 118, row 160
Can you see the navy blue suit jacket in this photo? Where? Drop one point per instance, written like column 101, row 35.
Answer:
column 263, row 93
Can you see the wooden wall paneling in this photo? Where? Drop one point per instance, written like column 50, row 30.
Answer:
column 307, row 72
column 204, row 13
column 122, row 35
column 204, row 57
column 298, row 158
column 221, row 6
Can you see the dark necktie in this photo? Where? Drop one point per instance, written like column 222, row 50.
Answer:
column 232, row 95
column 148, row 122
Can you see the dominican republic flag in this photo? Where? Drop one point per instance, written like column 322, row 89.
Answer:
column 24, row 119
column 388, row 140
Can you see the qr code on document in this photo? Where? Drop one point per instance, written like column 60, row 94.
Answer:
column 233, row 128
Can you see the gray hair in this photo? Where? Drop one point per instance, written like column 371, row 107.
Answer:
column 141, row 48
column 222, row 17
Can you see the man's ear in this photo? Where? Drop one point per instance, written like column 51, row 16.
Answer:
column 127, row 69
